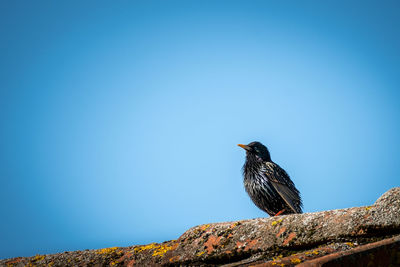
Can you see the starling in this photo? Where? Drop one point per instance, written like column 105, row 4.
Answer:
column 267, row 184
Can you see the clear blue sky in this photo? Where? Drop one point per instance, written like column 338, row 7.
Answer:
column 119, row 119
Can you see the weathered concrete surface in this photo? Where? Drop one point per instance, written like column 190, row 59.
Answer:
column 278, row 241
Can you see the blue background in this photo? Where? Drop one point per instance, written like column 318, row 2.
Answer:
column 119, row 119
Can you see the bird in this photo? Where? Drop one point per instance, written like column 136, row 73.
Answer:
column 267, row 184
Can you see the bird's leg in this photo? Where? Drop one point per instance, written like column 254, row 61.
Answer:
column 279, row 213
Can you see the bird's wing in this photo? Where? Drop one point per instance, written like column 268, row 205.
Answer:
column 284, row 186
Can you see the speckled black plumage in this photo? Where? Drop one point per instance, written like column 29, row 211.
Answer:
column 267, row 184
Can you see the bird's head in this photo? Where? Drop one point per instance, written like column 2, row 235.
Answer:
column 257, row 150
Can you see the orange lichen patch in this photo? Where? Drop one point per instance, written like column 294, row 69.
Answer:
column 250, row 244
column 131, row 263
column 212, row 242
column 366, row 216
column 174, row 259
column 349, row 244
column 283, row 229
column 361, row 232
column 16, row 260
column 289, row 238
column 240, row 244
column 13, row 262
column 125, row 257
column 106, row 250
column 295, row 260
column 175, row 245
column 228, row 252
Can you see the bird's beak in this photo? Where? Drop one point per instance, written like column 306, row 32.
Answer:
column 245, row 147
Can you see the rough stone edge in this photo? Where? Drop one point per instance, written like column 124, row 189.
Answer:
column 383, row 204
column 340, row 257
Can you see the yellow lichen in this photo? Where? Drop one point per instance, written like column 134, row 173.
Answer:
column 161, row 250
column 277, row 258
column 368, row 208
column 276, row 222
column 315, row 252
column 107, row 250
column 146, row 247
column 349, row 244
column 200, row 253
column 38, row 258
column 204, row 227
column 233, row 225
column 295, row 260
